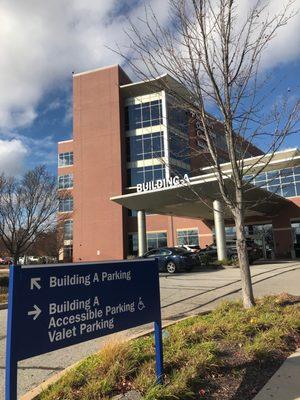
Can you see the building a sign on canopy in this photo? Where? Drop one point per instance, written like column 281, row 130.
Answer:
column 163, row 183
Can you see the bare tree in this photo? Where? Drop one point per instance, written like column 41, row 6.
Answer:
column 49, row 243
column 28, row 209
column 217, row 55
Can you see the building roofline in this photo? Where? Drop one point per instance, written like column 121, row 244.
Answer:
column 145, row 81
column 160, row 83
column 96, row 70
column 66, row 141
column 291, row 155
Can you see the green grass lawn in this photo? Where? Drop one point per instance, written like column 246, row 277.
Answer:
column 227, row 354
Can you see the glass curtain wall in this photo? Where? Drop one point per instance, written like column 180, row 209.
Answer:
column 143, row 115
column 284, row 182
column 178, row 137
column 144, row 147
column 144, row 142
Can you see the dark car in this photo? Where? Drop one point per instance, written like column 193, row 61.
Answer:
column 254, row 252
column 211, row 253
column 173, row 259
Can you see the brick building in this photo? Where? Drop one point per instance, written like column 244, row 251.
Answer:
column 126, row 134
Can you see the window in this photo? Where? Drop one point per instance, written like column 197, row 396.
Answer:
column 156, row 239
column 133, row 244
column 152, row 253
column 68, row 253
column 221, row 141
column 296, row 237
column 145, row 174
column 188, row 237
column 230, row 232
column 144, row 147
column 66, row 205
column 68, row 230
column 132, row 213
column 143, row 115
column 296, row 232
column 178, row 118
column 179, row 148
column 65, row 159
column 65, row 181
column 285, row 182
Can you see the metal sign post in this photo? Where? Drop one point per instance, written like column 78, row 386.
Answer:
column 55, row 306
column 11, row 356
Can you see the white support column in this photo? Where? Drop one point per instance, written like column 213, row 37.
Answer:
column 220, row 230
column 142, row 238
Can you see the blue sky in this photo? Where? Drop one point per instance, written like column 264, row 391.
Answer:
column 43, row 42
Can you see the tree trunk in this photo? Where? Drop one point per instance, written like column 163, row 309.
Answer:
column 247, row 291
column 16, row 259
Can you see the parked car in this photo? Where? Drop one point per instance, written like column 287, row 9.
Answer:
column 7, row 261
column 254, row 252
column 173, row 259
column 194, row 248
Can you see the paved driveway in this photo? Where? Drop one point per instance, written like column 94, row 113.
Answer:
column 181, row 295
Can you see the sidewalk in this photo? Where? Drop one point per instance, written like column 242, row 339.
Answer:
column 285, row 383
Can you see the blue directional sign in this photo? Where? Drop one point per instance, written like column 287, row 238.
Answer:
column 51, row 307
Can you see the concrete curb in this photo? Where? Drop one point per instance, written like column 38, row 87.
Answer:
column 33, row 393
column 3, row 306
column 284, row 384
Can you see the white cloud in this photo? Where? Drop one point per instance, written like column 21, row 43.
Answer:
column 285, row 45
column 12, row 156
column 42, row 42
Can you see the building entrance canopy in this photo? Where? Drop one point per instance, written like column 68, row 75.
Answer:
column 199, row 198
column 195, row 199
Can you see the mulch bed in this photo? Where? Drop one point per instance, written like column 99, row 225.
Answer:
column 242, row 377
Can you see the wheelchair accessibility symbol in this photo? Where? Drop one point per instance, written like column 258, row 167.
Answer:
column 141, row 305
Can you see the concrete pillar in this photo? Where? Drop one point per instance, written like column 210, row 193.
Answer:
column 220, row 230
column 142, row 238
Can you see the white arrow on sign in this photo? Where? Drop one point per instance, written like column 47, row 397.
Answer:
column 36, row 312
column 34, row 282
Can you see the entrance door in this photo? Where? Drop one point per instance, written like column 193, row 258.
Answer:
column 296, row 237
column 262, row 235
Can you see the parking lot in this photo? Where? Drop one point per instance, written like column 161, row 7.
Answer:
column 182, row 294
